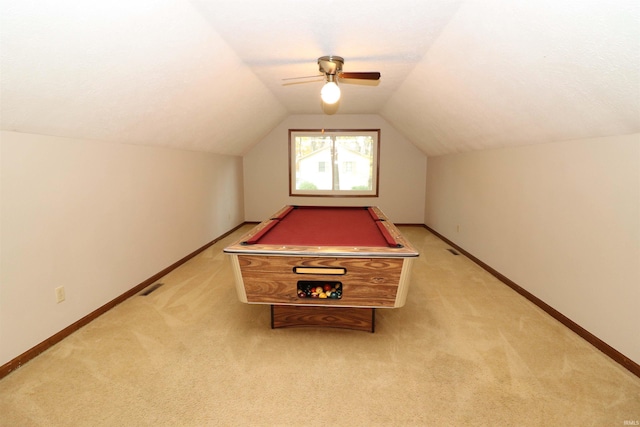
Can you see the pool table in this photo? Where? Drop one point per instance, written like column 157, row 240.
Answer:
column 323, row 266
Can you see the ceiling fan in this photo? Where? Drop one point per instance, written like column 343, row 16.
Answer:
column 331, row 67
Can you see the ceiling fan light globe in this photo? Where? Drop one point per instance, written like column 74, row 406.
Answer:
column 330, row 93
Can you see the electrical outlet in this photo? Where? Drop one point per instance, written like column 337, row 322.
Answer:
column 59, row 294
column 457, row 228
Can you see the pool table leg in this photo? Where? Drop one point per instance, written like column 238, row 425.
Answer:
column 356, row 318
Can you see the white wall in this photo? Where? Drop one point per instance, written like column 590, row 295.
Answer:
column 98, row 219
column 402, row 170
column 562, row 220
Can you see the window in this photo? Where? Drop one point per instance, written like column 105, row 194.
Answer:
column 349, row 167
column 334, row 163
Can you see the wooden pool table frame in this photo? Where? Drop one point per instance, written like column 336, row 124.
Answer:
column 371, row 277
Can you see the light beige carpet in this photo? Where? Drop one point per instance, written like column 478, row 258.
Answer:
column 465, row 350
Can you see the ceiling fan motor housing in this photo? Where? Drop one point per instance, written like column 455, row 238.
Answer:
column 330, row 65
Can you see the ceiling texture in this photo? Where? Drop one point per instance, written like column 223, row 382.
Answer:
column 457, row 75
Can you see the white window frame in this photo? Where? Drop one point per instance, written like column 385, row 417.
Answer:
column 293, row 170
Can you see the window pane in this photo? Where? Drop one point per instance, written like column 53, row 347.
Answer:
column 313, row 154
column 355, row 158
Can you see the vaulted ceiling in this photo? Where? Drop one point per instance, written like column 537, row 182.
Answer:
column 457, row 75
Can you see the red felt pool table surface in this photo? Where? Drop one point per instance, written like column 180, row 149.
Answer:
column 325, row 231
column 325, row 226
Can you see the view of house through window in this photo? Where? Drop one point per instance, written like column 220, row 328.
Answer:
column 333, row 162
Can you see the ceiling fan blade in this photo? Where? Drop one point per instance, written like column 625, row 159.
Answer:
column 360, row 75
column 304, row 77
column 302, row 82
